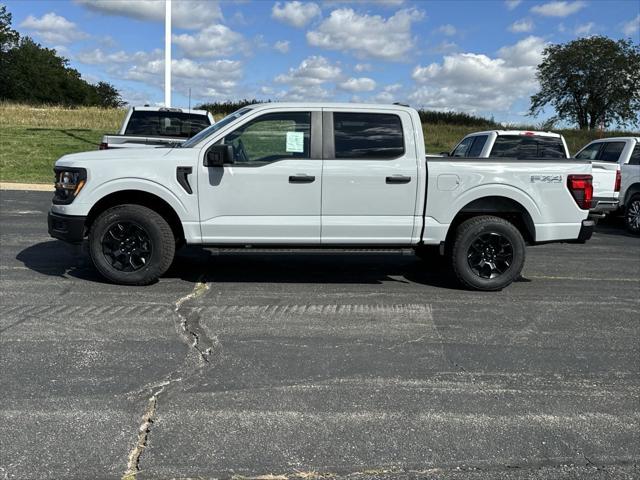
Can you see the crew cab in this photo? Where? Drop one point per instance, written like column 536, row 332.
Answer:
column 619, row 157
column 524, row 145
column 328, row 175
column 157, row 126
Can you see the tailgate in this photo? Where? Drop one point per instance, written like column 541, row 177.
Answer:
column 604, row 179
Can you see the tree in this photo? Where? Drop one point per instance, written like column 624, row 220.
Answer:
column 590, row 81
column 105, row 95
column 8, row 36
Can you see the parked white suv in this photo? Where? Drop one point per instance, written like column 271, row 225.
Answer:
column 323, row 175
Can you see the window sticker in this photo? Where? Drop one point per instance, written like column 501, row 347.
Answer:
column 295, row 142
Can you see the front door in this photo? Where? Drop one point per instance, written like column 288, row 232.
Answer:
column 271, row 193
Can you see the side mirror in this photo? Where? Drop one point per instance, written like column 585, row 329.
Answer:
column 218, row 155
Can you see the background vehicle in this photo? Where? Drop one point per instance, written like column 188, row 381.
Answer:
column 323, row 175
column 522, row 145
column 157, row 126
column 629, row 162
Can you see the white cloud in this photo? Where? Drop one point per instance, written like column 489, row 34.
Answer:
column 520, row 26
column 475, row 82
column 511, row 4
column 188, row 14
column 444, row 47
column 99, row 57
column 558, row 9
column 363, row 67
column 304, row 93
column 447, row 29
column 53, row 28
column 282, row 46
column 585, row 29
column 362, row 84
column 388, row 94
column 296, row 14
column 213, row 41
column 367, row 35
column 632, row 26
column 314, row 70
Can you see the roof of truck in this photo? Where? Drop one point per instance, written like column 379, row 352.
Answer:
column 172, row 109
column 517, row 132
column 347, row 105
column 637, row 139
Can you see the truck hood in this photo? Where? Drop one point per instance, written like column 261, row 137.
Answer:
column 133, row 154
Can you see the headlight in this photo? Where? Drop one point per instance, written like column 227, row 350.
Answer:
column 69, row 182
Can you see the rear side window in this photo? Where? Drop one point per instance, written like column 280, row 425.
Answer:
column 463, row 147
column 368, row 135
column 478, row 145
column 527, row 146
column 635, row 156
column 611, row 151
column 590, row 152
column 165, row 124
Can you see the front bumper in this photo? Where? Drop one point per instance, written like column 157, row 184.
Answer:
column 69, row 228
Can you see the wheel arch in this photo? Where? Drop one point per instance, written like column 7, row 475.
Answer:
column 137, row 197
column 498, row 206
column 632, row 190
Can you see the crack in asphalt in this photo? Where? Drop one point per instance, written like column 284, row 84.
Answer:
column 193, row 334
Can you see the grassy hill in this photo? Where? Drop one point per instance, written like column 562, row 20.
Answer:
column 33, row 138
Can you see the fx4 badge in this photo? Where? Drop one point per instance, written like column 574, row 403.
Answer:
column 546, row 178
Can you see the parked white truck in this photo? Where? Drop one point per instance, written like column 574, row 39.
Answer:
column 524, row 145
column 316, row 175
column 157, row 127
column 619, row 157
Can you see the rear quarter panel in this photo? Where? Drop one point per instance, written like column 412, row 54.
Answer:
column 539, row 186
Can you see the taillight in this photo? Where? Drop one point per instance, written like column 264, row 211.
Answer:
column 103, row 146
column 616, row 188
column 581, row 188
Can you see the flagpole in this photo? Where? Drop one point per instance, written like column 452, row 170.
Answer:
column 167, row 54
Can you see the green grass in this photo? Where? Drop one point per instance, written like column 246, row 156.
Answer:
column 33, row 138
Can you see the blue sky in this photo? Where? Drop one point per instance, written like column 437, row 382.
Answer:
column 472, row 56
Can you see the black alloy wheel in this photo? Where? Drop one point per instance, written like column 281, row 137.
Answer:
column 126, row 246
column 490, row 255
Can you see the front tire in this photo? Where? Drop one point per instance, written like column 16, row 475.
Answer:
column 488, row 253
column 131, row 245
column 632, row 215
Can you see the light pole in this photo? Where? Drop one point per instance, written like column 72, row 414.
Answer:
column 167, row 54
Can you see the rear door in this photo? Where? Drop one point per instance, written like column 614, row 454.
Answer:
column 369, row 178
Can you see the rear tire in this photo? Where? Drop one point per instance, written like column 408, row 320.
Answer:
column 488, row 253
column 632, row 215
column 131, row 245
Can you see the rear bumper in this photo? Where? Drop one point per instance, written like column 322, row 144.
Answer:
column 604, row 205
column 586, row 231
column 69, row 228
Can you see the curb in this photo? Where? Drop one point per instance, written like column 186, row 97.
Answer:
column 34, row 187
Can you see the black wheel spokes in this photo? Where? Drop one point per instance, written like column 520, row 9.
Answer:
column 490, row 255
column 633, row 215
column 126, row 246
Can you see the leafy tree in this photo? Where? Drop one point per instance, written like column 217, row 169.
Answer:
column 105, row 95
column 590, row 81
column 8, row 36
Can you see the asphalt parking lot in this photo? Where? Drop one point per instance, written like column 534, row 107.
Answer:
column 314, row 365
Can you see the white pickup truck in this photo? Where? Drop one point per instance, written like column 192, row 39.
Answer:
column 316, row 175
column 157, row 127
column 524, row 145
column 619, row 157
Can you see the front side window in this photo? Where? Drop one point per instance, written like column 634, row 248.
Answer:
column 367, row 135
column 271, row 137
column 611, row 151
column 590, row 152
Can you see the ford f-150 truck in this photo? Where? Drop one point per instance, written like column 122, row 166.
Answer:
column 619, row 157
column 526, row 144
column 316, row 175
column 157, row 127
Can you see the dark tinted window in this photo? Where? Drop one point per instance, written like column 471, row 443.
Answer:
column 463, row 147
column 367, row 135
column 165, row 124
column 590, row 152
column 635, row 156
column 528, row 146
column 611, row 151
column 271, row 137
column 478, row 145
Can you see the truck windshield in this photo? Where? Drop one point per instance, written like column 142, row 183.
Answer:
column 207, row 132
column 166, row 123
